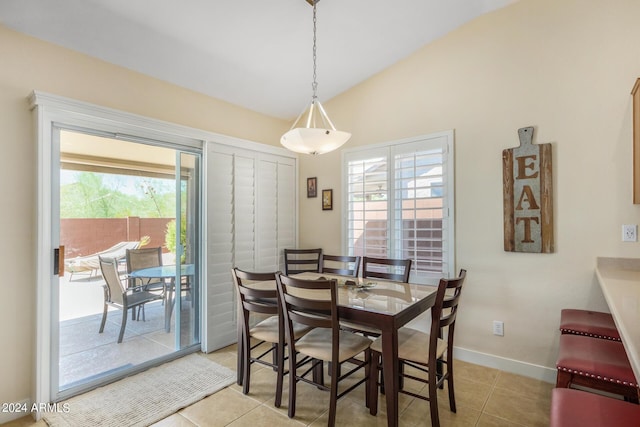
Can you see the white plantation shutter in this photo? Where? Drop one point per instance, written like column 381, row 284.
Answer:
column 367, row 207
column 251, row 213
column 220, row 298
column 421, row 216
column 276, row 213
column 287, row 209
column 268, row 217
column 244, row 209
column 399, row 199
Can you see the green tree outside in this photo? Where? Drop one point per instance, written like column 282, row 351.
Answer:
column 99, row 195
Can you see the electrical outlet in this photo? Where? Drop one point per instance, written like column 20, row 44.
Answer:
column 630, row 233
column 498, row 328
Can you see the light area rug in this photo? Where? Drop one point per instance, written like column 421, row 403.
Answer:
column 144, row 398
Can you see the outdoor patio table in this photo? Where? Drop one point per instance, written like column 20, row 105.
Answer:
column 165, row 272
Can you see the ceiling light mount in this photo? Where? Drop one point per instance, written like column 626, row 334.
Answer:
column 313, row 132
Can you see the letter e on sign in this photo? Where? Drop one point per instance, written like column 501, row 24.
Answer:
column 528, row 196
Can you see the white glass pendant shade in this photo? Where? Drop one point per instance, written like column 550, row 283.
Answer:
column 313, row 132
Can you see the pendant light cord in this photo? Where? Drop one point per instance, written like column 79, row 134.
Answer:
column 314, row 85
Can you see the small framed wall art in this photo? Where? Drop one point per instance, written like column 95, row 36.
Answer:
column 327, row 200
column 312, row 187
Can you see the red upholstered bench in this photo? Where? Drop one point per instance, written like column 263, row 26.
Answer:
column 595, row 363
column 589, row 323
column 575, row 408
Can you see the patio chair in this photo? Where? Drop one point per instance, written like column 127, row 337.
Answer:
column 117, row 295
column 137, row 259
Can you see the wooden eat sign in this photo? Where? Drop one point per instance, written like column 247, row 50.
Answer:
column 528, row 196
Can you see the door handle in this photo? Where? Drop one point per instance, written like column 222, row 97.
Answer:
column 58, row 261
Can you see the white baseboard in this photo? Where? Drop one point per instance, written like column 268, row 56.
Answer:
column 538, row 372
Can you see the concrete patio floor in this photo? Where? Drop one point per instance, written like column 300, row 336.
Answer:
column 85, row 353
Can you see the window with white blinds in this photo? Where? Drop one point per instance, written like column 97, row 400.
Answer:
column 399, row 204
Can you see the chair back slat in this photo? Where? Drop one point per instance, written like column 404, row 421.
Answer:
column 302, row 260
column 308, row 302
column 264, row 301
column 340, row 264
column 445, row 308
column 386, row 268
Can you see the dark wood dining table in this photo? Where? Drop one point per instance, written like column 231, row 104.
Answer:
column 382, row 305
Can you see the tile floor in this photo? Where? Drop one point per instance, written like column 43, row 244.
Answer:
column 484, row 397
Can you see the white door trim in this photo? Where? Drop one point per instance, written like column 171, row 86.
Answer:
column 51, row 109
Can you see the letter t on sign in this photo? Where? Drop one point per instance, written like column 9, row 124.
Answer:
column 528, row 196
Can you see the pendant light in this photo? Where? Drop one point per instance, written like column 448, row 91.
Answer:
column 313, row 132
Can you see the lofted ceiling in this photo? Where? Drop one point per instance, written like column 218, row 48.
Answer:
column 253, row 53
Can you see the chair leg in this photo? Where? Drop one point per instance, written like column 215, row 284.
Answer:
column 367, row 375
column 124, row 324
column 333, row 399
column 246, row 370
column 433, row 394
column 280, row 374
column 104, row 318
column 274, row 356
column 240, row 359
column 563, row 379
column 293, row 380
column 452, row 396
column 374, row 374
column 318, row 372
column 433, row 402
column 440, row 371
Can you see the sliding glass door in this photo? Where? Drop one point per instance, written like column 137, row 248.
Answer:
column 187, row 319
column 112, row 193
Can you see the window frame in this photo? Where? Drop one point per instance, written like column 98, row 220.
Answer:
column 388, row 150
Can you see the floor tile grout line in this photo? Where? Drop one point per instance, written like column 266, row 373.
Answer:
column 277, row 411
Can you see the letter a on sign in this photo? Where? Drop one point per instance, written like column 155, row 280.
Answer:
column 528, row 196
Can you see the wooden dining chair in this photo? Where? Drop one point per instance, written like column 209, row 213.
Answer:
column 314, row 303
column 117, row 295
column 302, row 260
column 397, row 270
column 339, row 264
column 270, row 330
column 425, row 353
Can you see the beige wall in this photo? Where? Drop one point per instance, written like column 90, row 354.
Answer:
column 27, row 65
column 566, row 67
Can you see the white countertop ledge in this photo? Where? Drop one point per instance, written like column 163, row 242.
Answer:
column 620, row 282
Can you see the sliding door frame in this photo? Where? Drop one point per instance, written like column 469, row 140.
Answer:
column 51, row 109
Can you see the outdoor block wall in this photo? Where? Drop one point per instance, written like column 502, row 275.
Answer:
column 86, row 236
